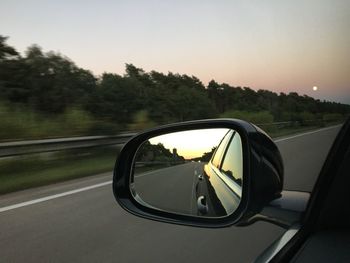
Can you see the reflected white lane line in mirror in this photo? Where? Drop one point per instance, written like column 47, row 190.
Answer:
column 153, row 172
column 192, row 197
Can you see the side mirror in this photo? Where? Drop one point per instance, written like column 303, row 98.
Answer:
column 208, row 173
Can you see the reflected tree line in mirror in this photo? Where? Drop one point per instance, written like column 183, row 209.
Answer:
column 42, row 94
column 155, row 156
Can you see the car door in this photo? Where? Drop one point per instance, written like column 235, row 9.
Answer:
column 324, row 235
column 216, row 184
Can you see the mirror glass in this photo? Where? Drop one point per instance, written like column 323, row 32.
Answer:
column 193, row 172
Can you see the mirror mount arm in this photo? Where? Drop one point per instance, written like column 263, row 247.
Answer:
column 285, row 211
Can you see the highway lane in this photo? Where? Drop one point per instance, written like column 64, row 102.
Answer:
column 171, row 188
column 303, row 157
column 90, row 227
column 178, row 187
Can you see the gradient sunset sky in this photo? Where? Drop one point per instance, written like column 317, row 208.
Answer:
column 264, row 44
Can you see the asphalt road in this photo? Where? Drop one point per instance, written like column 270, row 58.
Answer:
column 79, row 221
column 171, row 188
column 177, row 189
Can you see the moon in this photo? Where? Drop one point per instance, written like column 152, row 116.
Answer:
column 314, row 88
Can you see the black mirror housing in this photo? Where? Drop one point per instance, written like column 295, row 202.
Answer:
column 262, row 174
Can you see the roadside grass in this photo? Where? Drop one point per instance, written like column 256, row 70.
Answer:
column 290, row 131
column 24, row 172
column 38, row 170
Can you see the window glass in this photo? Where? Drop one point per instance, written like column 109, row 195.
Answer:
column 220, row 150
column 233, row 162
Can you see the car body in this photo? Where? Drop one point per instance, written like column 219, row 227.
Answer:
column 212, row 200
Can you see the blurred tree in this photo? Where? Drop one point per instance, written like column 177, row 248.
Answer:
column 56, row 82
column 6, row 51
column 50, row 84
column 116, row 99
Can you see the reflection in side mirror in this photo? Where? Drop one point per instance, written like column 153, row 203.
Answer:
column 193, row 172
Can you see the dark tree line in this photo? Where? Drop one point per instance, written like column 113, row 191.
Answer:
column 50, row 83
column 157, row 153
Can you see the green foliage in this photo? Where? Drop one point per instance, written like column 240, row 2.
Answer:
column 116, row 99
column 141, row 121
column 6, row 51
column 206, row 156
column 51, row 96
column 76, row 120
column 35, row 170
column 254, row 117
column 21, row 123
column 12, row 123
column 306, row 118
column 153, row 152
column 47, row 82
column 333, row 117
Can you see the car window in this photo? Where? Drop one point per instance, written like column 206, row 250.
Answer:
column 217, row 157
column 232, row 165
column 79, row 78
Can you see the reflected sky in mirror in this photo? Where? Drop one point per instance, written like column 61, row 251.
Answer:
column 191, row 144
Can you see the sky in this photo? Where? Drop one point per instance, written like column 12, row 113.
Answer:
column 192, row 143
column 281, row 46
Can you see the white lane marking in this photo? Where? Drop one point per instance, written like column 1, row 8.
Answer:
column 306, row 133
column 152, row 172
column 192, row 192
column 157, row 171
column 50, row 197
column 43, row 199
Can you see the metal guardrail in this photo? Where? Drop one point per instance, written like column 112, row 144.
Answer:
column 277, row 123
column 50, row 145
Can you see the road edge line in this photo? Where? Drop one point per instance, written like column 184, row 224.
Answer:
column 50, row 197
column 307, row 133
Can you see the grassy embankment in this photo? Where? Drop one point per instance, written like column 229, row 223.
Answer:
column 41, row 169
column 37, row 170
